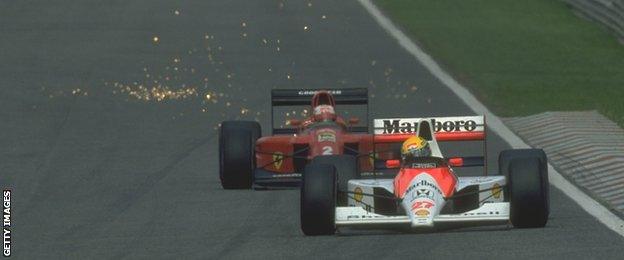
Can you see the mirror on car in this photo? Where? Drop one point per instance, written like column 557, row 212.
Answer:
column 456, row 161
column 392, row 164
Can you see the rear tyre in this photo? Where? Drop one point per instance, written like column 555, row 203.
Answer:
column 237, row 140
column 318, row 200
column 346, row 169
column 527, row 188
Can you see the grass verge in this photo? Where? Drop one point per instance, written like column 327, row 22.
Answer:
column 520, row 57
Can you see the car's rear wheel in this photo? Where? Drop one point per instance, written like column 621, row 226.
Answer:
column 346, row 169
column 527, row 187
column 237, row 141
column 318, row 200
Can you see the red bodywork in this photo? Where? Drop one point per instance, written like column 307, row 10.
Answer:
column 277, row 153
column 326, row 133
column 442, row 175
column 323, row 133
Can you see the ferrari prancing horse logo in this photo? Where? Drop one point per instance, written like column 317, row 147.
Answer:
column 278, row 159
column 372, row 157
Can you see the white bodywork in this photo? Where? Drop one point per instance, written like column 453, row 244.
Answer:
column 356, row 216
column 491, row 208
column 440, row 124
column 423, row 199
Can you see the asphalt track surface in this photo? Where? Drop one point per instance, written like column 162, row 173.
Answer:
column 98, row 171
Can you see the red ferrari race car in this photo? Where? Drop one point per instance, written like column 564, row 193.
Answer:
column 426, row 193
column 249, row 160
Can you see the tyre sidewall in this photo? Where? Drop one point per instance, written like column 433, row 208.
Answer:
column 237, row 153
column 528, row 197
column 346, row 169
column 318, row 199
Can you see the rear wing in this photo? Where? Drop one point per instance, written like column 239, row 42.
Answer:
column 434, row 129
column 303, row 97
column 465, row 128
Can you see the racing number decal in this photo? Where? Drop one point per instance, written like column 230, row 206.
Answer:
column 328, row 150
column 422, row 204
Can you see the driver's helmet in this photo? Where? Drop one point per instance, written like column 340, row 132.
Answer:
column 415, row 147
column 324, row 113
column 323, row 106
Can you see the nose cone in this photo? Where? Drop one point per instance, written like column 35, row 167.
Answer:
column 423, row 201
column 420, row 212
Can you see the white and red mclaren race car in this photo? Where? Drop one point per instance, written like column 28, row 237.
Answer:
column 426, row 193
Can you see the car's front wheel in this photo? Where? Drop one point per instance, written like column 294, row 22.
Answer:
column 527, row 188
column 318, row 199
column 237, row 141
column 346, row 169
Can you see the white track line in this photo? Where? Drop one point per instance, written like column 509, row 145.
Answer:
column 588, row 204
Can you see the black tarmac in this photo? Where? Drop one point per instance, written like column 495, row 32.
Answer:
column 109, row 111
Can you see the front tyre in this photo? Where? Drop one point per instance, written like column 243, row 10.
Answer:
column 527, row 183
column 237, row 141
column 346, row 169
column 505, row 157
column 318, row 200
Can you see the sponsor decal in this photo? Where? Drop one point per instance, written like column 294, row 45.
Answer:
column 402, row 126
column 6, row 223
column 428, row 184
column 312, row 92
column 358, row 196
column 372, row 174
column 422, row 213
column 421, row 220
column 479, row 180
column 278, row 160
column 327, row 137
column 496, row 191
column 410, row 188
column 328, row 130
column 422, row 205
column 424, row 165
column 369, row 216
column 424, row 193
column 286, row 175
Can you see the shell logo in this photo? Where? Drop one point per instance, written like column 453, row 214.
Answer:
column 358, row 195
column 496, row 191
column 422, row 213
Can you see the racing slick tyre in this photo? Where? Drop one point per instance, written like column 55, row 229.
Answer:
column 318, row 200
column 346, row 169
column 527, row 188
column 237, row 140
column 505, row 157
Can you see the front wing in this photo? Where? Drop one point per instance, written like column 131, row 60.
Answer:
column 264, row 179
column 488, row 213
